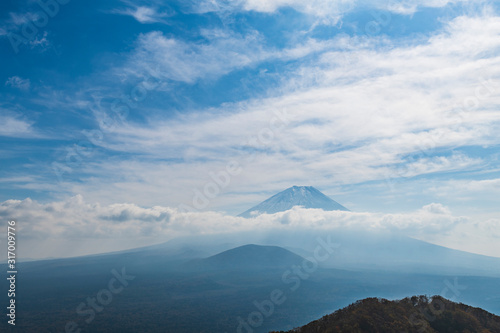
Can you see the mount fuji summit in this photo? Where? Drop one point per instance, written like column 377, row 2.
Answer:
column 304, row 196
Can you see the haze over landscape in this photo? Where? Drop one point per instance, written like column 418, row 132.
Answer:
column 238, row 156
column 260, row 281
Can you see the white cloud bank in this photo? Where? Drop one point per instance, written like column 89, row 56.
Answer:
column 128, row 225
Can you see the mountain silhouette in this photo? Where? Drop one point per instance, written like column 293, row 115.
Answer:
column 249, row 257
column 304, row 196
column 410, row 315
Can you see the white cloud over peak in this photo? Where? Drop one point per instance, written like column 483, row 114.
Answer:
column 75, row 219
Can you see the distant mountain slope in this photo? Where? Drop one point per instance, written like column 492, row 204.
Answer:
column 249, row 257
column 411, row 315
column 362, row 250
column 305, row 196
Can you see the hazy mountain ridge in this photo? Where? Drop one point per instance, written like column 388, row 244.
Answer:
column 305, row 196
column 410, row 315
column 195, row 284
column 167, row 297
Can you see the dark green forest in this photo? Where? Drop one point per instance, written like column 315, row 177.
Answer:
column 411, row 315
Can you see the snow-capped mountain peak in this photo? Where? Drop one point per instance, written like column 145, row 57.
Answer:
column 305, row 196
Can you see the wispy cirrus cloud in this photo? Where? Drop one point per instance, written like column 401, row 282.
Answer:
column 392, row 111
column 25, row 27
column 328, row 12
column 18, row 82
column 472, row 193
column 16, row 127
column 362, row 109
column 145, row 13
column 409, row 7
column 221, row 52
column 173, row 59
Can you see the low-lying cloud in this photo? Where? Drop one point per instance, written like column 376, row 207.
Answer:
column 76, row 219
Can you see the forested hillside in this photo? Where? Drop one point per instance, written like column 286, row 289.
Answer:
column 410, row 315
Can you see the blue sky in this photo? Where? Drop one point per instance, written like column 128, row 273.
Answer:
column 385, row 106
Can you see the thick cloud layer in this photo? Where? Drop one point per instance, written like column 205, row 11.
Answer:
column 75, row 219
